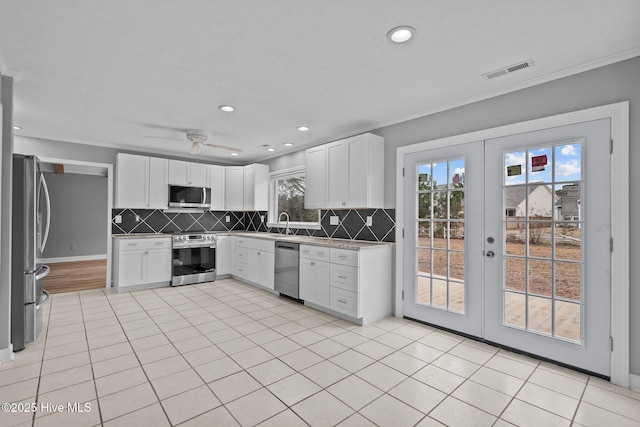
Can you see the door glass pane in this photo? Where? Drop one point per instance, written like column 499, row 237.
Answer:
column 542, row 226
column 441, row 230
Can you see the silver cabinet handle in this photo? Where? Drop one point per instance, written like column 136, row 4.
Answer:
column 313, row 263
column 342, row 256
column 342, row 301
column 146, row 252
column 342, row 277
column 259, row 253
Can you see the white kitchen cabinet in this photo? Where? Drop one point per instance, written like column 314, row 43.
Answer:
column 247, row 188
column 217, row 185
column 141, row 182
column 261, row 262
column 315, row 194
column 314, row 275
column 142, row 263
column 234, row 188
column 256, row 187
column 223, row 256
column 241, row 256
column 188, row 173
column 354, row 173
column 355, row 284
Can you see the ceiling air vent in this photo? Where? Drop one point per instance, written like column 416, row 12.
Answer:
column 508, row 70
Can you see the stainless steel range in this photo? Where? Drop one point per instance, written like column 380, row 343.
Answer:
column 194, row 258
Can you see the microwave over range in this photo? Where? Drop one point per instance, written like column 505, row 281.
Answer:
column 189, row 197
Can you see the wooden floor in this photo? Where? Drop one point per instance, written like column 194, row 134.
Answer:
column 76, row 276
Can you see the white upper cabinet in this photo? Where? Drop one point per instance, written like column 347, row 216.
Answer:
column 256, row 187
column 315, row 195
column 234, row 188
column 337, row 174
column 141, row 182
column 158, row 183
column 188, row 173
column 217, row 185
column 247, row 188
column 352, row 177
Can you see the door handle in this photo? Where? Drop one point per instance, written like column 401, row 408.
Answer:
column 490, row 254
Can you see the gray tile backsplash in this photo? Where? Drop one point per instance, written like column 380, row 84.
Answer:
column 352, row 223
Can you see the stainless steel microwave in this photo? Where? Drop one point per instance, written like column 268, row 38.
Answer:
column 189, row 197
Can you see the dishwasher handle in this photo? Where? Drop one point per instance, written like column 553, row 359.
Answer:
column 289, row 246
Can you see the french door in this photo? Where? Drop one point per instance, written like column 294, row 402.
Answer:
column 508, row 240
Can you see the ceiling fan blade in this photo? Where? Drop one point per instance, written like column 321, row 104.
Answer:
column 235, row 150
column 162, row 137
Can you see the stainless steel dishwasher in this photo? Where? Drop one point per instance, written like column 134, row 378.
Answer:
column 286, row 272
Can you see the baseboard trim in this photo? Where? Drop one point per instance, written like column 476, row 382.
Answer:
column 7, row 354
column 634, row 382
column 75, row 258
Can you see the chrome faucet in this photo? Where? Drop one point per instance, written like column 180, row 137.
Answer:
column 286, row 231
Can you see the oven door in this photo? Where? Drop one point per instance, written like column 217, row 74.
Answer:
column 193, row 265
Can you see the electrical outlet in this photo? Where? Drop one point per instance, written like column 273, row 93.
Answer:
column 118, row 219
column 137, row 218
column 73, row 246
column 227, row 218
column 334, row 220
column 261, row 218
column 369, row 221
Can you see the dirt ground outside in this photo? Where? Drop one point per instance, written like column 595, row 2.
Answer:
column 567, row 262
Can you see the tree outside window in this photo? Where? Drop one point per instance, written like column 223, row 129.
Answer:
column 289, row 197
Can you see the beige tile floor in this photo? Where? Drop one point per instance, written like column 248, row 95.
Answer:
column 227, row 354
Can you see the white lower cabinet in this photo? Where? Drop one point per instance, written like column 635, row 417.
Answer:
column 314, row 275
column 223, row 256
column 254, row 261
column 140, row 263
column 353, row 283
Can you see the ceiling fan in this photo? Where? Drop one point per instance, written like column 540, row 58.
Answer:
column 198, row 137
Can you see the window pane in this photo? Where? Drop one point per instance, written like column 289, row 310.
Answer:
column 290, row 192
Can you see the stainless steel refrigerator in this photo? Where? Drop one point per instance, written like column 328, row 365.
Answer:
column 31, row 220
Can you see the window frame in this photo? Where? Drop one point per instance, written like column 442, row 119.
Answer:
column 273, row 215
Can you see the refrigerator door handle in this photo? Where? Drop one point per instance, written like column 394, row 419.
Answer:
column 48, row 200
column 43, row 298
column 43, row 272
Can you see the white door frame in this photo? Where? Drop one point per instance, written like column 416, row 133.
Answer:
column 109, row 168
column 619, row 115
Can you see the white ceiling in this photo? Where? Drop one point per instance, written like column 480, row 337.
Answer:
column 110, row 72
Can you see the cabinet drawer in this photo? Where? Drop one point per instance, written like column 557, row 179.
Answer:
column 241, row 269
column 262, row 245
column 241, row 242
column 314, row 252
column 242, row 254
column 344, row 301
column 344, row 257
column 144, row 244
column 344, row 277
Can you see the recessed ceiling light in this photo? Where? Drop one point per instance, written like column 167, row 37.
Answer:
column 401, row 34
column 234, row 153
column 303, row 128
column 227, row 108
column 288, row 144
column 16, row 127
column 271, row 149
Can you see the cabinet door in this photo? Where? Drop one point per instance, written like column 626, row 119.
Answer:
column 158, row 183
column 234, row 188
column 307, row 280
column 158, row 265
column 178, row 172
column 223, row 255
column 198, row 175
column 249, row 187
column 261, row 268
column 131, row 181
column 130, row 268
column 337, row 174
column 216, row 183
column 315, row 178
column 358, row 171
column 322, row 283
